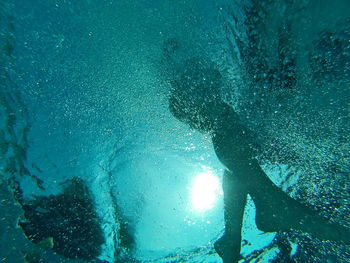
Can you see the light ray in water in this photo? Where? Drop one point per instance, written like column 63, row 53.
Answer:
column 204, row 191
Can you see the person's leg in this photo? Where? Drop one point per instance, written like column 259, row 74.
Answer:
column 235, row 197
column 276, row 211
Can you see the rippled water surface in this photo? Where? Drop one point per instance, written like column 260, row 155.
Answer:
column 95, row 167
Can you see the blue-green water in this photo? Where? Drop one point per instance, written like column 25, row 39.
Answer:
column 93, row 162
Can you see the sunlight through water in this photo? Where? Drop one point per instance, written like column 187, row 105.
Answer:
column 204, row 192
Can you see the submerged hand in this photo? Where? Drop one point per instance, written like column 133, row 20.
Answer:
column 228, row 247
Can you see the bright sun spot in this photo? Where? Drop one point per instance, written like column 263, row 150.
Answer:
column 204, row 191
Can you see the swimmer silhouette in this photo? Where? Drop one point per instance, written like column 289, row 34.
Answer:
column 194, row 100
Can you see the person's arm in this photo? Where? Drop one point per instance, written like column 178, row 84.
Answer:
column 235, row 197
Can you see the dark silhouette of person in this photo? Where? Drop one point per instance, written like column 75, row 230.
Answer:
column 194, row 99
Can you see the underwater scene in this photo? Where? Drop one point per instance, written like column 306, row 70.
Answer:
column 168, row 131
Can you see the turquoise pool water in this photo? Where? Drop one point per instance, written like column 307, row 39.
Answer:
column 95, row 167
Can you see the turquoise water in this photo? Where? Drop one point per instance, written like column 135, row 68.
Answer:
column 94, row 166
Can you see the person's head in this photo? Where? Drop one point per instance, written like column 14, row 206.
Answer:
column 195, row 95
